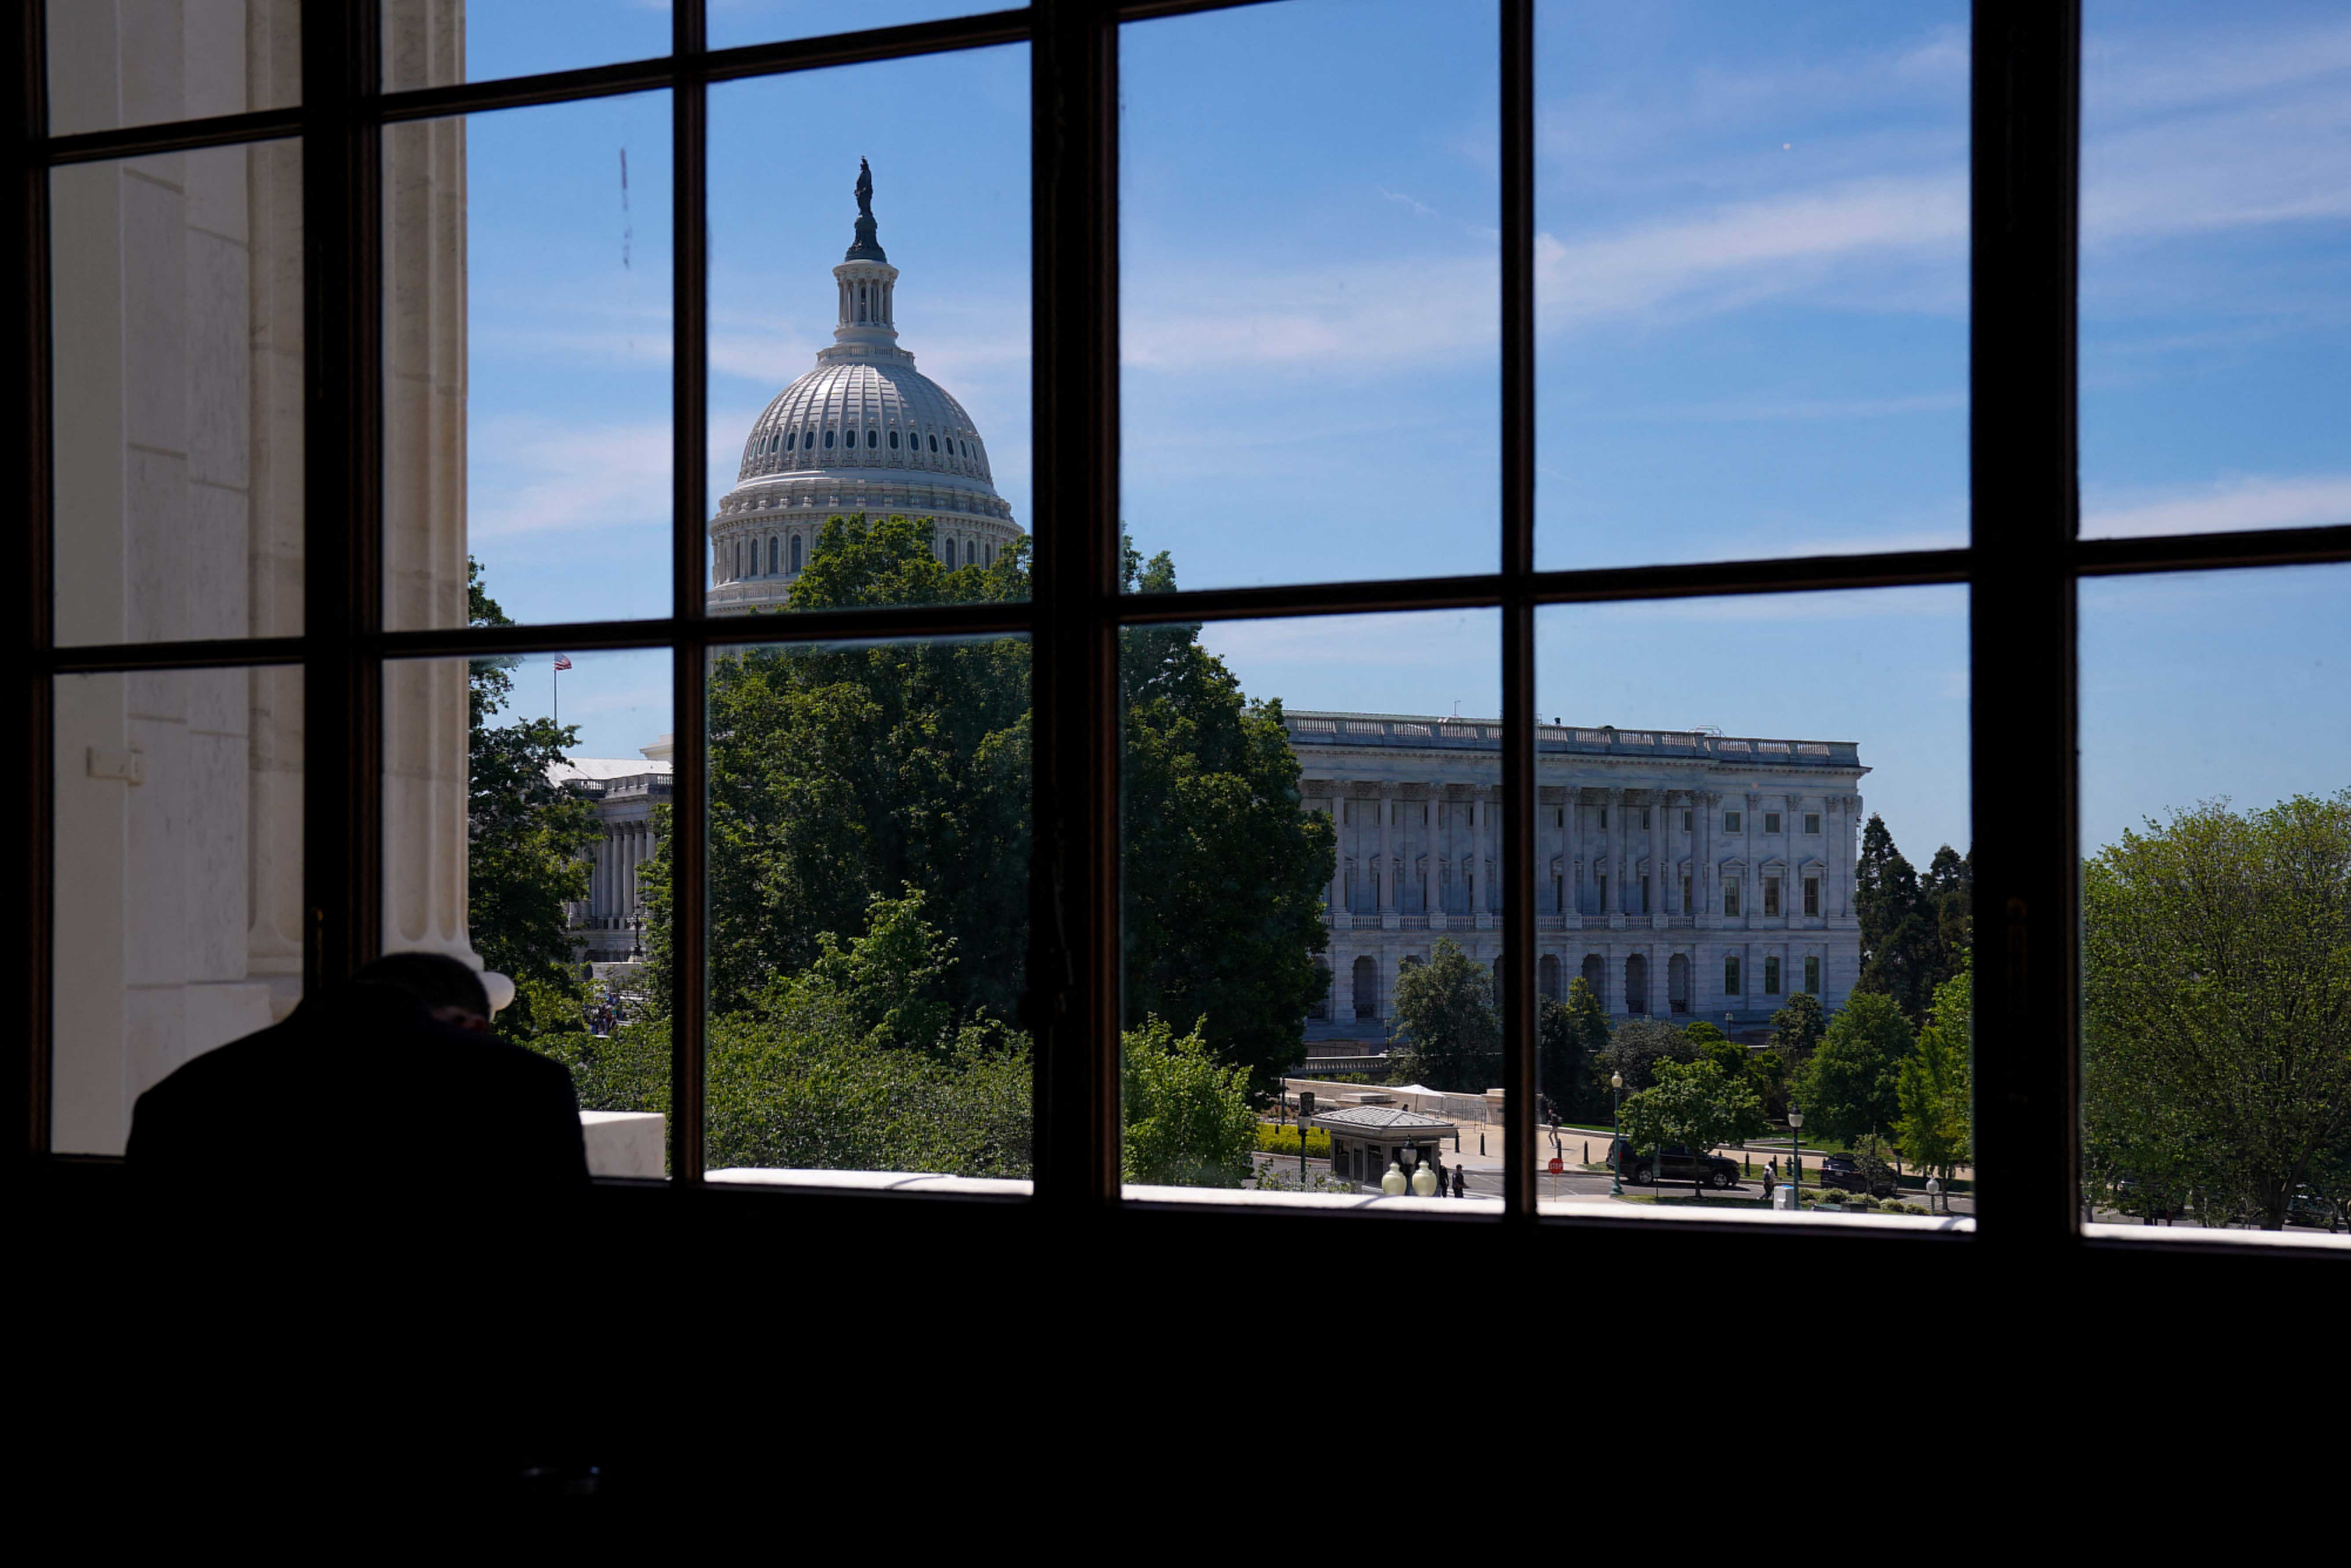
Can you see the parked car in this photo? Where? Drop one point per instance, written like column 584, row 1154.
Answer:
column 1843, row 1171
column 2306, row 1208
column 1678, row 1165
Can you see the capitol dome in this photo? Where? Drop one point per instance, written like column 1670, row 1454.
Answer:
column 862, row 432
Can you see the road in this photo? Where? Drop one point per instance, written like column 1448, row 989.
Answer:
column 1484, row 1176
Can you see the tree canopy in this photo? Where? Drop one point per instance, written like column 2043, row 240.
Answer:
column 1570, row 1037
column 1914, row 931
column 1934, row 1090
column 1186, row 1116
column 1447, row 1034
column 1635, row 1047
column 2216, row 1005
column 1849, row 1086
column 1694, row 1103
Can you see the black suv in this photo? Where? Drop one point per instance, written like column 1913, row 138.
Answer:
column 1844, row 1171
column 1678, row 1165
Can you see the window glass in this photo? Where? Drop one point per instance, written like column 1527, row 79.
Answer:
column 558, row 768
column 115, row 65
column 178, row 894
column 1309, row 261
column 176, row 307
column 1313, row 856
column 2215, row 302
column 738, row 22
column 526, row 363
column 2216, row 896
column 938, row 262
column 869, row 913
column 432, row 43
column 1703, row 990
column 1751, row 275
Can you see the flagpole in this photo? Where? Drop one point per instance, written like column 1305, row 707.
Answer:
column 554, row 678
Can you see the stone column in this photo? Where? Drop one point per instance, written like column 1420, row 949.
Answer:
column 1387, row 848
column 1751, row 897
column 1338, row 845
column 1615, row 840
column 1570, row 853
column 1478, row 854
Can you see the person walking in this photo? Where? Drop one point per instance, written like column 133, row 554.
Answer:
column 1771, row 1182
column 1461, row 1183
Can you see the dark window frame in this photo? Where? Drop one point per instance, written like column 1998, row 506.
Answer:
column 2022, row 565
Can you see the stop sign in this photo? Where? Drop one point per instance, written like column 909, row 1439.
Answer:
column 1557, row 1165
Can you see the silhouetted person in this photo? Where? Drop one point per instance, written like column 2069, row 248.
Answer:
column 1461, row 1183
column 386, row 1093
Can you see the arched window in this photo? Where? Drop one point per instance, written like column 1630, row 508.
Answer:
column 971, row 552
column 811, row 441
column 771, row 554
column 1367, row 987
column 873, row 439
column 796, row 552
column 894, row 441
column 828, row 439
column 934, row 443
column 789, row 438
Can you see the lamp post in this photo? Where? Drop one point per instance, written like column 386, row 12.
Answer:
column 1795, row 1157
column 1615, row 1161
column 1934, row 1194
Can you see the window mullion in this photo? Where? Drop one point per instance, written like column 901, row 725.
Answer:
column 1518, row 843
column 2026, row 126
column 689, row 662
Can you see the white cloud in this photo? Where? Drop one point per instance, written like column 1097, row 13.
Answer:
column 2228, row 506
column 531, row 475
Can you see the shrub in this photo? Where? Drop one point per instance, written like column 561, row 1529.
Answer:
column 1283, row 1140
column 1861, row 1200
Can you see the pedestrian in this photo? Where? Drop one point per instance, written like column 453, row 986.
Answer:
column 1770, row 1181
column 1772, row 1170
column 1460, row 1184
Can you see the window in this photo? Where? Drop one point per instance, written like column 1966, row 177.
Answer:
column 1730, row 821
column 828, row 438
column 796, row 552
column 1812, row 824
column 1645, row 817
column 1812, row 977
column 1603, row 816
column 772, row 547
column 1770, row 895
column 1688, row 906
column 1603, row 880
column 1686, row 822
column 873, row 439
column 1730, row 897
column 935, row 443
column 1730, row 977
column 894, row 441
column 789, row 438
column 1771, row 822
column 1811, row 895
column 1770, row 976
column 1645, row 895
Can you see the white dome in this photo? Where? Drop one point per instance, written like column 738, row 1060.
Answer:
column 862, row 432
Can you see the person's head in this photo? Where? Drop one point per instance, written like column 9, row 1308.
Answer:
column 450, row 989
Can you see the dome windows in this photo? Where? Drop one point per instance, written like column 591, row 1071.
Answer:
column 789, row 438
column 828, row 439
column 873, row 439
column 894, row 441
column 796, row 552
column 934, row 443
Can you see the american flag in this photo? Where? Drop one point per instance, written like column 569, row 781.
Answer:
column 561, row 663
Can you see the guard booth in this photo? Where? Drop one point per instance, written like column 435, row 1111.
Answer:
column 1364, row 1139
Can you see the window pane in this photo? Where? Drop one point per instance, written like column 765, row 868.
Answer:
column 1308, row 290
column 176, row 305
column 526, row 363
column 1752, row 279
column 437, row 43
column 2216, row 265
column 829, row 272
column 869, row 913
column 114, row 66
column 1267, row 959
column 178, row 880
column 523, row 798
column 1687, row 938
column 2215, row 899
column 741, row 22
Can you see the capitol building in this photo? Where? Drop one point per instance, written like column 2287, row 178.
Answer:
column 1679, row 873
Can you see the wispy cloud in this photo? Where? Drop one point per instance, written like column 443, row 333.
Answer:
column 2228, row 506
column 533, row 475
column 1423, row 208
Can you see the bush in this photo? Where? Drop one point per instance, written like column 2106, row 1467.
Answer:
column 1861, row 1200
column 1283, row 1140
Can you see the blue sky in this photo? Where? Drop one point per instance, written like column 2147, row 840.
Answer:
column 1752, row 342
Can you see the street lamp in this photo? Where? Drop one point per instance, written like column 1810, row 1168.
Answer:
column 1795, row 1157
column 1934, row 1192
column 1616, row 1163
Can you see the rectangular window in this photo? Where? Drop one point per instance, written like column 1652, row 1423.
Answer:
column 1730, row 821
column 1644, row 816
column 1730, row 977
column 1812, row 977
column 1686, row 822
column 1604, row 893
column 1770, row 895
column 1811, row 895
column 1686, row 896
column 1730, row 898
column 1770, row 976
column 1771, row 822
column 1603, row 816
column 1812, row 824
column 1645, row 895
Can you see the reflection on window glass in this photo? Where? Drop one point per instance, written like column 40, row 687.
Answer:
column 1752, row 279
column 2215, row 293
column 523, row 798
column 868, row 893
column 527, row 378
column 438, row 43
column 178, row 920
column 177, row 310
column 1313, row 922
column 1308, row 290
column 112, row 65
column 827, row 273
column 2215, row 899
column 1669, row 951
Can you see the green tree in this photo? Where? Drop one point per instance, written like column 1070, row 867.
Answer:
column 1446, row 1032
column 1769, row 1069
column 2217, row 1002
column 1635, row 1047
column 1934, row 1090
column 1797, row 1028
column 1913, row 930
column 1703, row 1032
column 1187, row 1120
column 1695, row 1104
column 1849, row 1086
column 527, row 840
